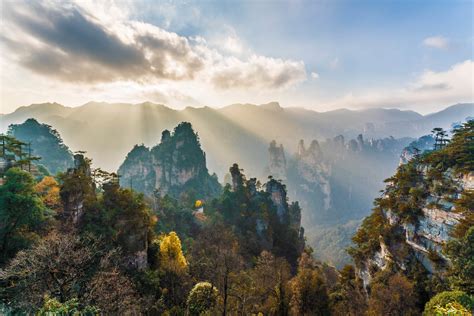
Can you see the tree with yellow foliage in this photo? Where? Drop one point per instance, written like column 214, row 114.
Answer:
column 48, row 190
column 171, row 254
column 173, row 268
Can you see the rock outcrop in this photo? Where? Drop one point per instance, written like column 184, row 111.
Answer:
column 277, row 192
column 176, row 165
column 421, row 240
column 277, row 161
column 77, row 187
column 422, row 208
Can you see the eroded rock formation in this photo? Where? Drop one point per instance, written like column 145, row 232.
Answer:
column 176, row 165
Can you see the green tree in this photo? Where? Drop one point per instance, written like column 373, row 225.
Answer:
column 349, row 297
column 52, row 307
column 202, row 299
column 461, row 253
column 443, row 299
column 22, row 213
column 440, row 136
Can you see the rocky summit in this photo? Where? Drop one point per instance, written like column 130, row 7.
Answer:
column 176, row 165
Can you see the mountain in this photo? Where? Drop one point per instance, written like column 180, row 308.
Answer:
column 239, row 132
column 451, row 113
column 175, row 166
column 45, row 143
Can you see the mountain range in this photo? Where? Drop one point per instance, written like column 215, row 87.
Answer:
column 238, row 132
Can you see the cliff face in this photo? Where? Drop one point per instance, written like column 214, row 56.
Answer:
column 421, row 240
column 320, row 174
column 419, row 210
column 176, row 165
column 76, row 189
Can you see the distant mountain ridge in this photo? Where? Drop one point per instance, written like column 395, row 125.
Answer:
column 238, row 132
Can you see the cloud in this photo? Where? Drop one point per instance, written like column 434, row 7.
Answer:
column 80, row 42
column 439, row 42
column 428, row 90
column 258, row 71
column 314, row 75
column 170, row 97
column 233, row 44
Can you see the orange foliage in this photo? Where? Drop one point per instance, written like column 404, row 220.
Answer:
column 48, row 189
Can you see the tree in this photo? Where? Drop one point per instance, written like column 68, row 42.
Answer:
column 215, row 258
column 22, row 213
column 171, row 254
column 444, row 299
column 113, row 292
column 52, row 306
column 173, row 269
column 202, row 298
column 348, row 297
column 461, row 253
column 396, row 297
column 461, row 147
column 48, row 190
column 121, row 216
column 59, row 266
column 309, row 292
column 67, row 267
column 440, row 137
column 271, row 275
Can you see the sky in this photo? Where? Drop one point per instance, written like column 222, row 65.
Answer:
column 320, row 55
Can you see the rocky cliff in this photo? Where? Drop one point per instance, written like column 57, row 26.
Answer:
column 77, row 190
column 320, row 174
column 335, row 182
column 262, row 215
column 421, row 206
column 176, row 165
column 421, row 239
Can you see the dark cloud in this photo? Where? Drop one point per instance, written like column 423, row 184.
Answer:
column 65, row 41
column 69, row 45
column 77, row 36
